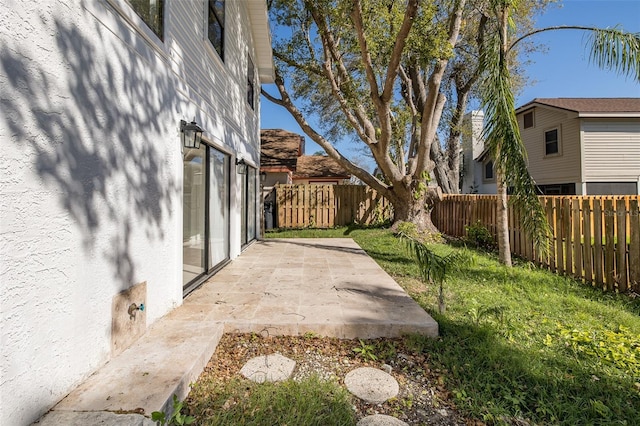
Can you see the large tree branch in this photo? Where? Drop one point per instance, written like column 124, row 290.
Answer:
column 332, row 56
column 432, row 110
column 396, row 55
column 356, row 15
column 382, row 100
column 286, row 102
column 311, row 69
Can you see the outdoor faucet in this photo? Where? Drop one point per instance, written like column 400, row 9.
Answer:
column 133, row 308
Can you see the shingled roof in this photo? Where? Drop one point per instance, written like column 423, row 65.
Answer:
column 316, row 166
column 606, row 106
column 280, row 148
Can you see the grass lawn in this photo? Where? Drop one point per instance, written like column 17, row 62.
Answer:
column 521, row 342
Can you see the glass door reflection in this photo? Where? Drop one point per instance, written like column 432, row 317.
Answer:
column 193, row 231
column 218, row 207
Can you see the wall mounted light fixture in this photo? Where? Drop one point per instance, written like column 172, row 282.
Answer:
column 191, row 134
column 241, row 166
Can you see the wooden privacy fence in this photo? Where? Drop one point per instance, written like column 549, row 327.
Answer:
column 595, row 238
column 326, row 206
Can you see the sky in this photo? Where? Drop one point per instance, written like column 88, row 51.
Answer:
column 562, row 70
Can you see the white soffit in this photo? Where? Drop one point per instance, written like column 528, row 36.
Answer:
column 259, row 21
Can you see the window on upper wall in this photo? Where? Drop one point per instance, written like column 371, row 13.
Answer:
column 552, row 141
column 152, row 13
column 488, row 171
column 216, row 26
column 250, row 82
column 528, row 120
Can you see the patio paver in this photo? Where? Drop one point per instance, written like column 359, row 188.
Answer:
column 326, row 285
column 330, row 287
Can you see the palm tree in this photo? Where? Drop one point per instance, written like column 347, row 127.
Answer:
column 610, row 49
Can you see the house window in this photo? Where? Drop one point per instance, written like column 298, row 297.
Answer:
column 528, row 120
column 250, row 82
column 488, row 171
column 552, row 142
column 216, row 26
column 558, row 189
column 152, row 13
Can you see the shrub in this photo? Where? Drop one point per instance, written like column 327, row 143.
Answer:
column 479, row 235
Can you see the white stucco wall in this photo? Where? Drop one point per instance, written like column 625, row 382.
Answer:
column 472, row 147
column 91, row 175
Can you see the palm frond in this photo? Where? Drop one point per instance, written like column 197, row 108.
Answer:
column 616, row 50
column 502, row 137
column 433, row 267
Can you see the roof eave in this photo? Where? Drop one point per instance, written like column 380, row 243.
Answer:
column 609, row 114
column 259, row 20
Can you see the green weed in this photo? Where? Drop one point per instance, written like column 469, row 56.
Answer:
column 366, row 351
column 240, row 402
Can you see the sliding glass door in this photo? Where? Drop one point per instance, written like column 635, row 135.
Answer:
column 205, row 212
column 218, row 207
column 248, row 205
column 193, row 209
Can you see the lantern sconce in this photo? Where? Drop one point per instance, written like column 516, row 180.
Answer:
column 263, row 177
column 241, row 166
column 191, row 134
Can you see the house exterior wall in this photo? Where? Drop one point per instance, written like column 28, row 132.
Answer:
column 273, row 178
column 91, row 174
column 557, row 168
column 473, row 181
column 320, row 181
column 611, row 150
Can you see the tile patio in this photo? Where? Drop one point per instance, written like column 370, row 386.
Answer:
column 330, row 287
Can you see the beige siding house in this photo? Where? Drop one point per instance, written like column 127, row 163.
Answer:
column 588, row 146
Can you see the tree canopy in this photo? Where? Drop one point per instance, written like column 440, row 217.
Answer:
column 397, row 76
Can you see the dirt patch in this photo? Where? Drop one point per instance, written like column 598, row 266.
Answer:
column 422, row 399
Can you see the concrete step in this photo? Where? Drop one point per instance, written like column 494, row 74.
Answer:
column 144, row 378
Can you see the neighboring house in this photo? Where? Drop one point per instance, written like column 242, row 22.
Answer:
column 102, row 205
column 477, row 166
column 282, row 161
column 587, row 146
column 321, row 170
column 575, row 146
column 279, row 152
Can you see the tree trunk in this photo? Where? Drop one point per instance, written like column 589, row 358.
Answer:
column 504, row 247
column 407, row 208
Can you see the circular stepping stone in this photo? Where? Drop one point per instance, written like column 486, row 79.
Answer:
column 372, row 385
column 381, row 420
column 268, row 368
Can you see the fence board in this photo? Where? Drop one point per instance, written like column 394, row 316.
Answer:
column 551, row 221
column 597, row 242
column 585, row 231
column 621, row 244
column 587, row 253
column 609, row 252
column 324, row 206
column 595, row 238
column 577, row 239
column 634, row 245
column 566, row 231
